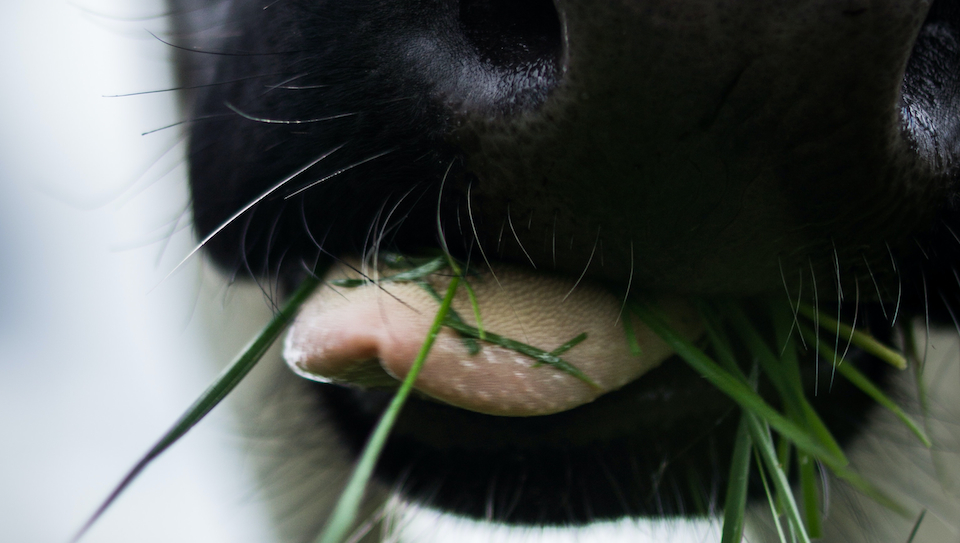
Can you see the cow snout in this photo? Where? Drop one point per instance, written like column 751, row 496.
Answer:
column 704, row 146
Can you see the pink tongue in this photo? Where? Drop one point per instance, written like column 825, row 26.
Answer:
column 370, row 336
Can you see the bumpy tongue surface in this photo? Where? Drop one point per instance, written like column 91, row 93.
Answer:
column 370, row 336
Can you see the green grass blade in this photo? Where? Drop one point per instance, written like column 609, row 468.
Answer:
column 228, row 379
column 345, row 513
column 861, row 381
column 568, row 345
column 764, row 445
column 810, row 494
column 784, row 372
column 718, row 339
column 737, row 389
column 476, row 308
column 539, row 355
column 407, row 276
column 468, row 341
column 631, row 336
column 773, row 507
column 735, row 503
column 916, row 526
column 772, row 366
column 861, row 339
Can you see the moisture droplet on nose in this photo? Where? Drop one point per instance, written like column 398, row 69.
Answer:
column 371, row 334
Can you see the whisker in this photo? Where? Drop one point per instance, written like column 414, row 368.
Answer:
column 836, row 341
column 186, row 121
column 283, row 84
column 883, row 306
column 853, row 326
column 585, row 268
column 503, row 225
column 896, row 309
column 216, row 53
column 265, row 120
column 795, row 309
column 516, row 237
column 836, row 268
column 483, row 254
column 476, row 237
column 187, row 87
column 443, row 182
column 378, row 241
column 626, row 295
column 338, row 172
column 247, row 207
column 368, row 256
column 245, row 259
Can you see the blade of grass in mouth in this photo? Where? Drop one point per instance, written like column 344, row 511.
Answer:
column 228, row 379
column 736, row 388
column 345, row 513
column 861, row 339
column 735, row 503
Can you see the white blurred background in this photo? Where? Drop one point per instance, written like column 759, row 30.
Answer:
column 98, row 355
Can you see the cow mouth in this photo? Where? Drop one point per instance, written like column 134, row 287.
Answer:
column 546, row 344
column 657, row 443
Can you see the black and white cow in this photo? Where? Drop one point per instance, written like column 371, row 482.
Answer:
column 669, row 148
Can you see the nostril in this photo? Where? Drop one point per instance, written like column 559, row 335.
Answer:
column 512, row 54
column 930, row 90
column 512, row 33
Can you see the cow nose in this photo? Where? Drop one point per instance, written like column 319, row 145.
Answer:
column 705, row 135
column 517, row 44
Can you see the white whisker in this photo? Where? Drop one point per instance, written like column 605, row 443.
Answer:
column 338, row 172
column 443, row 182
column 626, row 295
column 795, row 309
column 250, row 205
column 280, row 121
column 585, row 268
column 896, row 309
column 516, row 237
column 876, row 285
column 473, row 226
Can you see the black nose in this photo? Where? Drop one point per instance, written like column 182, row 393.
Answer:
column 710, row 144
column 494, row 56
column 514, row 41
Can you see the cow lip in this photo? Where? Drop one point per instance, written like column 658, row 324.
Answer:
column 369, row 335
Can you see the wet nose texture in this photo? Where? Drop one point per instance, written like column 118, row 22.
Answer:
column 499, row 57
column 511, row 35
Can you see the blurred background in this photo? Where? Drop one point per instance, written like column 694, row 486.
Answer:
column 99, row 353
